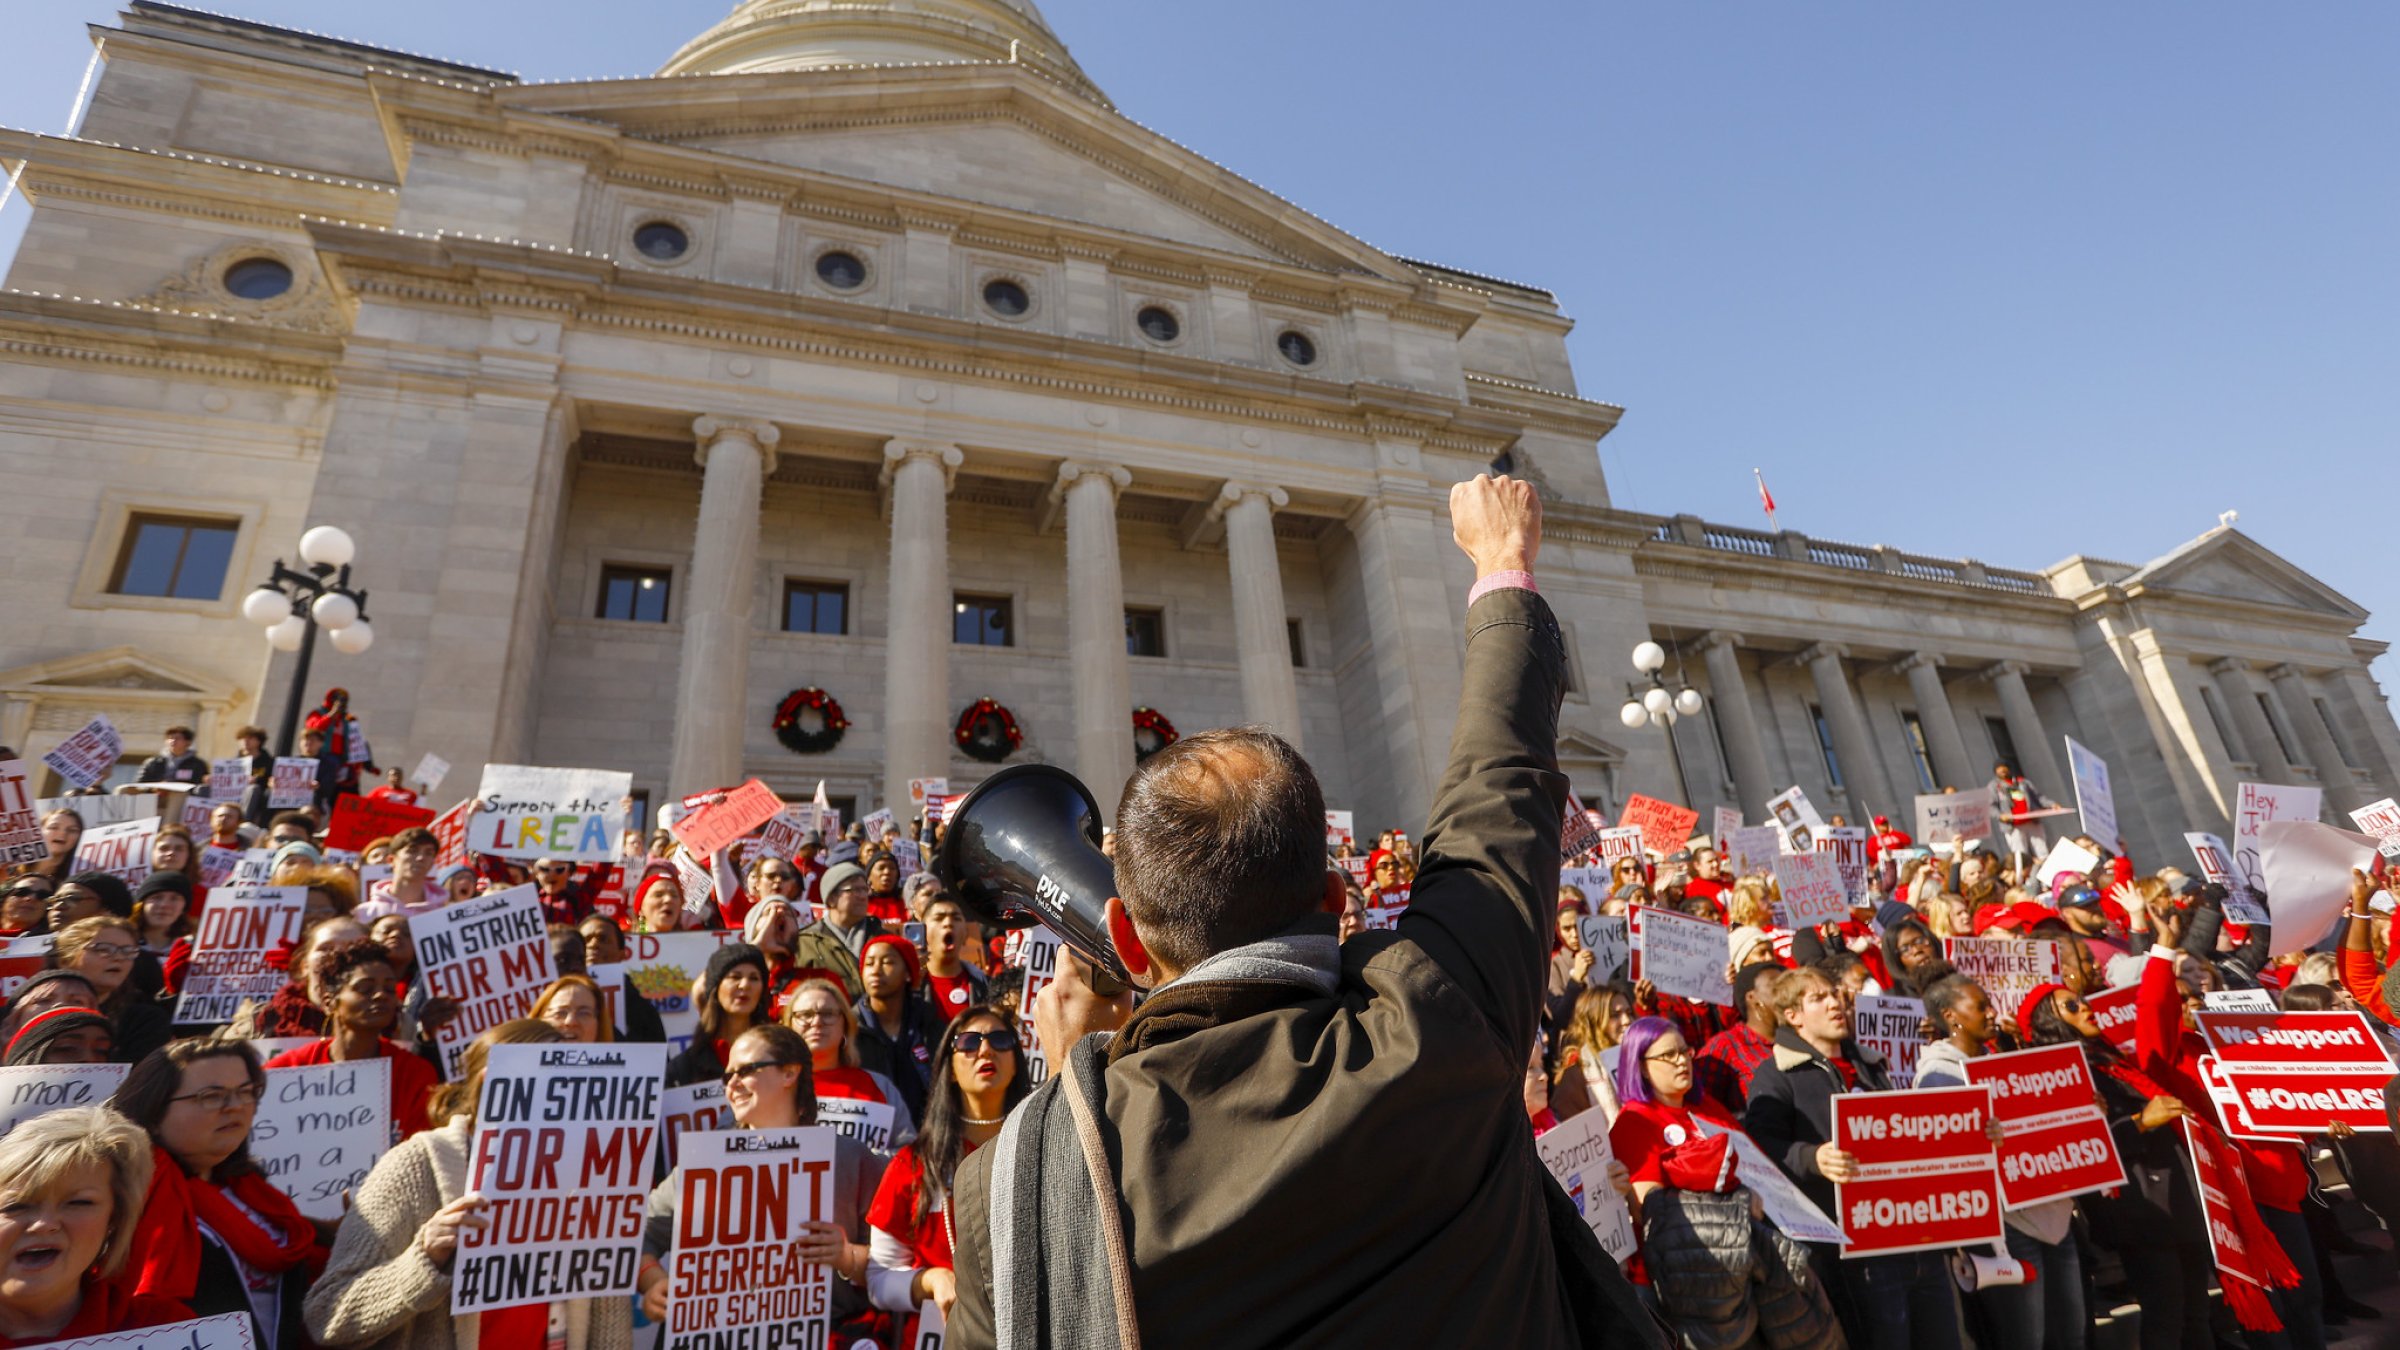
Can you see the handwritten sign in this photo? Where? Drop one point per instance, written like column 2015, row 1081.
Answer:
column 1727, row 821
column 1927, row 1176
column 240, row 927
column 359, row 821
column 920, row 789
column 2216, row 867
column 1679, row 954
column 1812, row 890
column 709, row 827
column 87, row 756
column 37, row 1089
column 2095, row 800
column 736, row 1282
column 529, row 812
column 1893, row 1028
column 2255, row 805
column 561, row 1157
column 697, row 1109
column 1576, row 1152
column 21, row 839
column 1591, row 881
column 320, row 1129
column 121, row 850
column 1948, row 817
column 2056, row 1141
column 869, row 1123
column 491, row 953
column 1796, row 820
column 2007, row 968
column 1752, row 849
column 1606, row 937
column 227, row 1331
column 1665, row 826
column 431, row 770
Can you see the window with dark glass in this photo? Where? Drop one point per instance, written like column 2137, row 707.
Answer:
column 175, row 557
column 661, row 241
column 841, row 271
column 982, row 621
column 1291, row 629
column 1007, row 299
column 1297, row 348
column 258, row 278
column 848, row 806
column 1918, row 752
column 1833, row 766
column 816, row 607
column 637, row 816
column 1145, row 632
column 634, row 594
column 1159, row 323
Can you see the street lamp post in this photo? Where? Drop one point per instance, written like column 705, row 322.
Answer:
column 292, row 605
column 1662, row 705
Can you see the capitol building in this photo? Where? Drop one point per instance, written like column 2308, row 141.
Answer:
column 867, row 347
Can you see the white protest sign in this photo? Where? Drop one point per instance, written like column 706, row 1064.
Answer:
column 102, row 810
column 87, row 756
column 255, row 868
column 1606, row 938
column 1847, row 846
column 226, row 1331
column 217, row 864
column 529, row 812
column 736, row 1281
column 121, row 850
column 1893, row 1028
column 1579, row 829
column 1620, row 841
column 932, row 1327
column 2066, row 856
column 2305, row 872
column 1796, row 820
column 36, row 1089
column 698, row 1108
column 21, row 839
column 561, row 1157
column 698, row 883
column 1788, row 1207
column 910, row 856
column 2007, row 968
column 1040, row 955
column 1726, row 821
column 292, row 783
column 1592, row 881
column 2239, row 1000
column 1680, row 955
column 869, row 1123
column 2216, row 867
column 1752, row 849
column 876, row 822
column 320, row 1129
column 491, row 954
column 2381, row 819
column 2095, row 801
column 228, row 779
column 1812, row 890
column 431, row 770
column 240, row 927
column 21, row 958
column 921, row 788
column 2256, row 805
column 1943, row 817
column 1576, row 1152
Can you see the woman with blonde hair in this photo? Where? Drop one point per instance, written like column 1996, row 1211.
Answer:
column 71, row 1188
column 576, row 1007
column 102, row 949
column 1582, row 1078
column 828, row 1021
column 1748, row 905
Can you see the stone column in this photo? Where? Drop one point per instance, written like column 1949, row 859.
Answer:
column 2316, row 741
column 2260, row 744
column 1270, row 694
column 1402, row 703
column 720, row 590
column 1737, row 719
column 1096, row 628
column 917, row 477
column 2025, row 728
column 1947, row 749
column 1862, row 772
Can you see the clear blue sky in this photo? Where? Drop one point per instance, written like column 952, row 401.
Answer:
column 2005, row 281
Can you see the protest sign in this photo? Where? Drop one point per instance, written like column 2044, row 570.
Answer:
column 1894, row 1028
column 195, row 813
column 2216, row 1172
column 21, row 839
column 1788, row 1207
column 2216, row 867
column 226, row 1331
column 2064, row 857
column 1592, row 881
column 1619, row 841
column 870, row 1123
column 1576, row 1152
column 1752, row 849
column 491, row 953
column 2238, row 1000
column 21, row 958
column 932, row 1327
column 1727, row 821
column 1356, row 870
column 2305, row 872
column 1927, row 1175
column 229, row 779
column 2114, row 1010
column 738, row 1283
column 1944, row 817
column 2296, row 1073
column 1679, row 954
column 217, row 864
column 698, row 883
column 2380, row 819
column 561, row 1157
column 662, row 967
column 431, row 770
column 528, row 812
column 1039, row 955
column 919, row 789
column 1606, row 938
column 2257, row 804
column 320, row 1129
column 910, row 855
column 360, row 821
column 2095, row 801
column 783, row 834
column 256, row 867
column 240, row 927
column 878, row 823
column 87, row 756
column 101, row 810
column 1847, row 846
column 35, row 1089
column 1812, row 890
column 292, row 783
column 1796, row 820
column 450, row 831
column 1579, row 829
column 2007, row 968
column 121, row 850
column 697, row 1109
column 1665, row 826
column 2055, row 1141
column 711, row 826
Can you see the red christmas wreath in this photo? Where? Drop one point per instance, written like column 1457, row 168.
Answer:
column 988, row 731
column 792, row 729
column 1152, row 732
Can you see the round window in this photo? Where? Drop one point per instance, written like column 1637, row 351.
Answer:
column 1296, row 348
column 662, row 241
column 1159, row 323
column 841, row 271
column 258, row 278
column 1007, row 299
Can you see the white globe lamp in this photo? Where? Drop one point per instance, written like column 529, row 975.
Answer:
column 266, row 607
column 327, row 546
column 1633, row 714
column 286, row 636
column 354, row 639
column 334, row 611
column 1649, row 658
column 1659, row 702
column 1688, row 703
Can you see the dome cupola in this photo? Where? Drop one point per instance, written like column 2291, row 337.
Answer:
column 781, row 35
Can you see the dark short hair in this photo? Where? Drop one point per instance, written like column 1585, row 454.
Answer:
column 283, row 818
column 178, row 730
column 415, row 836
column 247, row 732
column 349, row 956
column 1220, row 842
column 150, row 1087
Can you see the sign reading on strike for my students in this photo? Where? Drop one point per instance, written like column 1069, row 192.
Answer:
column 525, row 812
column 2007, row 968
column 2056, row 1141
column 1664, row 825
column 2297, row 1072
column 711, row 826
column 563, row 1138
column 86, row 757
column 36, row 1089
column 1927, row 1176
column 1944, row 817
column 869, row 1123
column 1576, row 1152
column 736, row 1282
column 1893, row 1028
column 320, row 1129
column 1812, row 890
column 241, row 925
column 1679, row 954
column 21, row 839
column 491, row 954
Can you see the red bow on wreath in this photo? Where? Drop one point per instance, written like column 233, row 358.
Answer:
column 988, row 731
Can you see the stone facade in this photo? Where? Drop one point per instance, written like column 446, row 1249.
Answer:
column 1208, row 405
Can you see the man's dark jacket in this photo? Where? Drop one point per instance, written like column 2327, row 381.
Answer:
column 165, row 768
column 1297, row 1170
column 1790, row 1109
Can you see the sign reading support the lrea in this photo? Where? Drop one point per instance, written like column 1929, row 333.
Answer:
column 1927, row 1175
column 491, row 954
column 2296, row 1073
column 528, row 812
column 21, row 839
column 2056, row 1141
column 1680, row 955
column 87, row 756
column 736, row 1281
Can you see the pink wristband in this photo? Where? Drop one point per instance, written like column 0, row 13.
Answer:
column 1500, row 581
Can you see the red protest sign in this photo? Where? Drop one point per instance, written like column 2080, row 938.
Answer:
column 1927, row 1174
column 360, row 821
column 2216, row 1170
column 2057, row 1141
column 2318, row 1038
column 2115, row 1011
column 1579, row 829
column 2296, row 1073
column 711, row 825
column 1664, row 825
column 450, row 827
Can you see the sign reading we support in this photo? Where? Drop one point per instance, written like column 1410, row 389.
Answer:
column 1576, row 1152
column 1812, row 890
column 491, row 954
column 226, row 1331
column 36, row 1089
column 1893, row 1028
column 2255, row 805
column 121, row 850
column 736, row 1282
column 1664, row 825
column 320, row 1129
column 709, row 827
column 2095, row 801
column 526, row 812
column 240, row 927
column 87, row 756
column 1040, row 955
column 1927, row 1175
column 21, row 839
column 1946, row 817
column 1679, row 954
column 2056, row 1141
column 2298, row 1072
column 292, row 783
column 563, row 1137
column 360, row 821
column 2114, row 1010
column 2007, row 968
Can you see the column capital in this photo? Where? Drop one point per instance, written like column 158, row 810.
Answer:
column 2286, row 672
column 1715, row 638
column 1232, row 494
column 1819, row 651
column 2001, row 670
column 760, row 435
column 900, row 451
column 1073, row 471
column 2229, row 665
column 1917, row 661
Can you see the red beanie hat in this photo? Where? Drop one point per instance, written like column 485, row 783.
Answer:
column 2032, row 1001
column 907, row 949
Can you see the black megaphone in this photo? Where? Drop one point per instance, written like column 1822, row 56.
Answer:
column 1024, row 848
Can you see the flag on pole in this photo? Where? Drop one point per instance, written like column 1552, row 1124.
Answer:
column 1766, row 499
column 819, row 802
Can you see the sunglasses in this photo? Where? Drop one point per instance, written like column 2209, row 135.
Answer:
column 742, row 1073
column 973, row 1042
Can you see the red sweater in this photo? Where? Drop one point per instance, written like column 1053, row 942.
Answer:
column 413, row 1080
column 2278, row 1172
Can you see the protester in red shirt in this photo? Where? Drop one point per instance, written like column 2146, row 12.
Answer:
column 826, row 1018
column 883, row 892
column 1724, row 1065
column 1707, row 880
column 2365, row 979
column 563, row 899
column 395, row 789
column 71, row 1184
column 951, row 984
column 1886, row 839
column 1657, row 1120
column 359, row 989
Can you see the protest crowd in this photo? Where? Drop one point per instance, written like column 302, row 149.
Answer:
column 324, row 1063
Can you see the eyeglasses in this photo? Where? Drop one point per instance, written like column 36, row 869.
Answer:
column 973, row 1042
column 115, row 949
column 741, row 1073
column 217, row 1099
column 26, row 893
column 1671, row 1056
column 810, row 1017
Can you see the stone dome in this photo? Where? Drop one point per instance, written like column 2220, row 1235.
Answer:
column 773, row 35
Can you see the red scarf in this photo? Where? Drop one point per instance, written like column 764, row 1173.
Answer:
column 166, row 1244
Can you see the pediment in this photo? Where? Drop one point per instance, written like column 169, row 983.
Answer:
column 118, row 670
column 2225, row 564
column 1581, row 747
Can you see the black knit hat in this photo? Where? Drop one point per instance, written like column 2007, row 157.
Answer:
column 163, row 881
column 115, row 896
column 722, row 961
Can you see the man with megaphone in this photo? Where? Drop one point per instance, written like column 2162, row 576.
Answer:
column 1293, row 1141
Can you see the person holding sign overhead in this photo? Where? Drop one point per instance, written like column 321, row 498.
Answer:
column 71, row 1186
